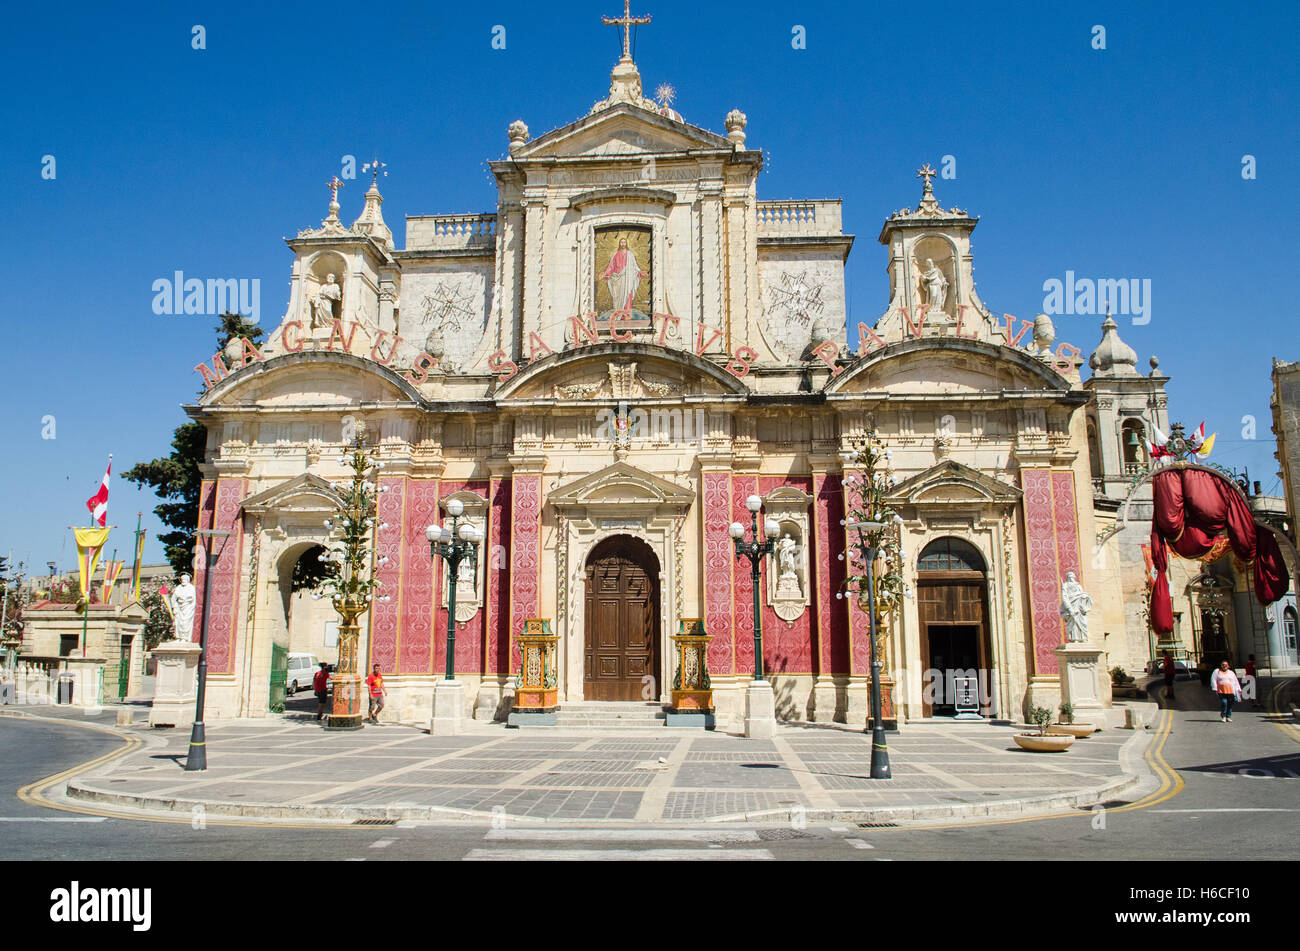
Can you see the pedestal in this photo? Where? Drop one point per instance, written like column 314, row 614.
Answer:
column 1080, row 687
column 537, row 686
column 175, row 683
column 346, row 713
column 887, row 714
column 692, row 693
column 760, row 710
column 448, row 708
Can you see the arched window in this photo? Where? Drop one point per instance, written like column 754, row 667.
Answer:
column 1289, row 631
column 950, row 554
column 1133, row 445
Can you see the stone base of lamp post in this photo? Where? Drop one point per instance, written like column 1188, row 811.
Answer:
column 448, row 708
column 175, row 685
column 346, row 713
column 1080, row 686
column 760, row 710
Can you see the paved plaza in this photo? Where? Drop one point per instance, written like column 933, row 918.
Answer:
column 279, row 768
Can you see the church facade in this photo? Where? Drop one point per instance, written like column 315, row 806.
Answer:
column 602, row 370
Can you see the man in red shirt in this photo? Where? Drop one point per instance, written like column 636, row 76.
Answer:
column 321, row 684
column 376, row 684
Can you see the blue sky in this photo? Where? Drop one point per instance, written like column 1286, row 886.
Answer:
column 1116, row 163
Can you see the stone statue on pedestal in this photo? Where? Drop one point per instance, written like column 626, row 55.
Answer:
column 1075, row 605
column 182, row 604
column 936, row 286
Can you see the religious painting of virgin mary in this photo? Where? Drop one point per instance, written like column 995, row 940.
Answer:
column 623, row 271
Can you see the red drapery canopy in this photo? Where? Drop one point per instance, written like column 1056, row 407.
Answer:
column 1193, row 507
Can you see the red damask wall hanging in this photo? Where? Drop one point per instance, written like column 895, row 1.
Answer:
column 1194, row 509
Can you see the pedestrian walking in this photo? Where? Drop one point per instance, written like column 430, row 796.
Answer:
column 1170, row 670
column 376, row 684
column 1250, row 679
column 1224, row 682
column 321, row 684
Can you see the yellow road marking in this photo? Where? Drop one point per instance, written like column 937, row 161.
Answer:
column 1274, row 707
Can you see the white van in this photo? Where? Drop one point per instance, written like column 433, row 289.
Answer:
column 302, row 668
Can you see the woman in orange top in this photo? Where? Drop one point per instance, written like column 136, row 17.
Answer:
column 1224, row 682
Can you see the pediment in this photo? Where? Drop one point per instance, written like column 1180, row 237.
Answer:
column 307, row 492
column 621, row 485
column 951, row 481
column 626, row 371
column 947, row 367
column 621, row 130
column 311, row 379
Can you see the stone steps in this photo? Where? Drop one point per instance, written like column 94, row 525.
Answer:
column 614, row 715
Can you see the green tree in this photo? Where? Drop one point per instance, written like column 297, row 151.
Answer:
column 176, row 478
column 158, row 626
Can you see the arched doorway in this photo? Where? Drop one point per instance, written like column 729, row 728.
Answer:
column 621, row 634
column 952, row 607
column 302, row 624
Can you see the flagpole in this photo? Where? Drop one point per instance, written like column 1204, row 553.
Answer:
column 135, row 571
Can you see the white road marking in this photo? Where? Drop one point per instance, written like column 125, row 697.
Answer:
column 622, row 835
column 860, row 843
column 44, row 819
column 1225, row 810
column 840, row 829
column 382, row 843
column 618, row 855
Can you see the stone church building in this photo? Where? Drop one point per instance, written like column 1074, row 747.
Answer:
column 602, row 369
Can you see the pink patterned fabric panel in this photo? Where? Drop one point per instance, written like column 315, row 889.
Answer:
column 1044, row 576
column 469, row 636
column 742, row 586
column 832, row 619
column 718, row 557
column 225, row 576
column 384, row 617
column 525, row 557
column 1067, row 531
column 859, row 623
column 207, row 498
column 414, row 646
column 498, row 575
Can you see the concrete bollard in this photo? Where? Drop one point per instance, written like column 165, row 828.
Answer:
column 1133, row 719
column 125, row 716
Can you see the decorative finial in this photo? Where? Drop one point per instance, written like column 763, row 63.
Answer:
column 627, row 21
column 735, row 123
column 375, row 166
column 665, row 95
column 518, row 133
column 926, row 172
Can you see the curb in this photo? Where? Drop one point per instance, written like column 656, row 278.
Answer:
column 1033, row 806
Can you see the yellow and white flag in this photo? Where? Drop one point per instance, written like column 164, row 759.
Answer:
column 90, row 545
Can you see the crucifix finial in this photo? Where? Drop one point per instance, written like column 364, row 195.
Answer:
column 627, row 21
column 334, row 185
column 926, row 172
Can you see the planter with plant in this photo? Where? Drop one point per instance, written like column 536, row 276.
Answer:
column 1042, row 741
column 1067, row 727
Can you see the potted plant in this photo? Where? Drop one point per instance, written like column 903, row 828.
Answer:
column 1042, row 741
column 1067, row 727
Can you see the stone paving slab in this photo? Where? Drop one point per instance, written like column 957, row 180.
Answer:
column 292, row 769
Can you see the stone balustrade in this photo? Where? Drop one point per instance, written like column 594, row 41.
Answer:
column 778, row 218
column 439, row 232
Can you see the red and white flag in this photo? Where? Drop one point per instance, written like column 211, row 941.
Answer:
column 98, row 503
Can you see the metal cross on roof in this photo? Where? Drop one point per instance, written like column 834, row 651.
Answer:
column 926, row 172
column 627, row 21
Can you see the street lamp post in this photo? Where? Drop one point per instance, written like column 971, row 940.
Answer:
column 197, row 757
column 453, row 546
column 760, row 705
column 879, row 749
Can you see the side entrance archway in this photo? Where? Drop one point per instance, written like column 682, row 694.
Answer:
column 620, row 651
column 952, row 607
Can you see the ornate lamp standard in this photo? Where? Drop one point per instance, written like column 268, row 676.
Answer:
column 197, row 756
column 868, row 544
column 350, row 587
column 760, row 705
column 453, row 546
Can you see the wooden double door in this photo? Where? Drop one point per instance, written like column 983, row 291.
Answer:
column 621, row 650
column 951, row 608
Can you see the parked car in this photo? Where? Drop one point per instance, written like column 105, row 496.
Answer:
column 302, row 668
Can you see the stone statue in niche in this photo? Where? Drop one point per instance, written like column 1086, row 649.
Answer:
column 325, row 308
column 787, row 553
column 788, row 601
column 1075, row 605
column 935, row 286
